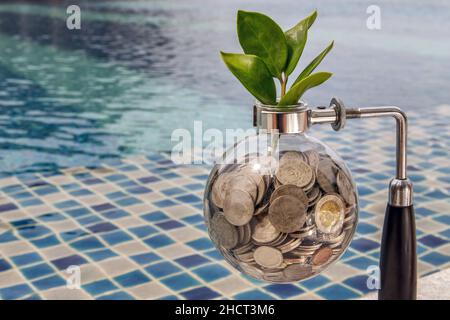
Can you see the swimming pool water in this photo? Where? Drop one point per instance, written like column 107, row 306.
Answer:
column 137, row 70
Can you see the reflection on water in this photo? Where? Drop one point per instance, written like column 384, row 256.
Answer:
column 140, row 69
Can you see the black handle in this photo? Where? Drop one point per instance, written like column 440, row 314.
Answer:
column 398, row 260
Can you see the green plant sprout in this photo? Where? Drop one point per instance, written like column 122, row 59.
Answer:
column 271, row 53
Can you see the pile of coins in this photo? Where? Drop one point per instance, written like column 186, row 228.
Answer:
column 285, row 220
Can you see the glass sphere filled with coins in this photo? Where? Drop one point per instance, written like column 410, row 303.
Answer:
column 283, row 215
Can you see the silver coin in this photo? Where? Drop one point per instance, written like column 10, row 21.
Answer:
column 291, row 156
column 263, row 231
column 345, row 188
column 268, row 257
column 243, row 182
column 290, row 190
column 297, row 271
column 238, row 207
column 287, row 214
column 219, row 189
column 312, row 157
column 222, row 232
column 324, row 183
column 295, row 172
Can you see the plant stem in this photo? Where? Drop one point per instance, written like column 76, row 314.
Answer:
column 283, row 81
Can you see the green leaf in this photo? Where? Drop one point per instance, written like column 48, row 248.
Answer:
column 297, row 90
column 313, row 64
column 252, row 72
column 261, row 36
column 296, row 39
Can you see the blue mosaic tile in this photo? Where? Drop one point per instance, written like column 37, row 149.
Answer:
column 49, row 241
column 192, row 260
column 116, row 296
column 4, row 265
column 284, row 291
column 316, row 282
column 132, row 279
column 433, row 241
column 358, row 283
column 337, row 292
column 15, row 292
column 169, row 225
column 155, row 216
column 162, row 269
column 143, row 231
column 436, row 258
column 102, row 254
column 78, row 212
column 37, row 271
column 201, row 244
column 190, row 198
column 146, row 258
column 102, row 227
column 173, row 191
column 253, row 295
column 202, row 293
column 211, row 273
column 116, row 237
column 64, row 263
column 159, row 241
column 99, row 287
column 50, row 282
column 180, row 282
column 364, row 245
column 87, row 244
column 115, row 214
column 164, row 203
column 103, row 207
column 26, row 258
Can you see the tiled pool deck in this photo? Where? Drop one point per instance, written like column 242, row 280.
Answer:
column 136, row 230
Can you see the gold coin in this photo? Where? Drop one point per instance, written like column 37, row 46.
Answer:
column 287, row 214
column 329, row 214
column 268, row 257
column 238, row 207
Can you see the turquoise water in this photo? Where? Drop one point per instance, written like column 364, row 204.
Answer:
column 137, row 70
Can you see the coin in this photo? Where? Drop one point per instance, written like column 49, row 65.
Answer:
column 260, row 185
column 322, row 256
column 287, row 214
column 263, row 231
column 291, row 156
column 219, row 189
column 242, row 182
column 324, row 183
column 223, row 232
column 268, row 257
column 297, row 271
column 312, row 158
column 290, row 190
column 345, row 187
column 295, row 172
column 329, row 214
column 328, row 168
column 238, row 207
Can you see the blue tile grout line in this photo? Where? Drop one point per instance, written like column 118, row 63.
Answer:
column 135, row 226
